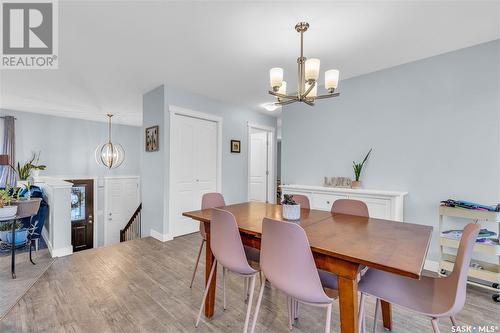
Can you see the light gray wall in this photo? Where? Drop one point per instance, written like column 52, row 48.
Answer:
column 153, row 174
column 67, row 147
column 433, row 124
column 234, row 166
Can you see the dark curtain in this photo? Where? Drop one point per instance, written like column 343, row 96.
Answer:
column 8, row 176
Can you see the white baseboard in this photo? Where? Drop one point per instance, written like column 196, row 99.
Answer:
column 432, row 266
column 65, row 251
column 161, row 237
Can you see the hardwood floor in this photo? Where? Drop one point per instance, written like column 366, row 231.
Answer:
column 27, row 274
column 143, row 286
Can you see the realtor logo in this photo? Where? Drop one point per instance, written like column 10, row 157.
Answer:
column 29, row 34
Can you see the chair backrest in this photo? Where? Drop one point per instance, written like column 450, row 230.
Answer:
column 225, row 242
column 287, row 262
column 210, row 200
column 302, row 200
column 350, row 207
column 455, row 285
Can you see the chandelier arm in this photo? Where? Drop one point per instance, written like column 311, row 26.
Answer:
column 286, row 102
column 308, row 102
column 327, row 96
column 283, row 96
column 309, row 89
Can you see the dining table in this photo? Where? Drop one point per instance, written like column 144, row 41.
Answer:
column 341, row 244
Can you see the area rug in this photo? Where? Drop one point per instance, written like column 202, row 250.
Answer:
column 11, row 290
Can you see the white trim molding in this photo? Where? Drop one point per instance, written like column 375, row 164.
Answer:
column 159, row 236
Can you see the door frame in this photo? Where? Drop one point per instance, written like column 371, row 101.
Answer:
column 270, row 163
column 180, row 111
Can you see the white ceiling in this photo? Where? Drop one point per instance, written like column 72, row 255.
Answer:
column 110, row 53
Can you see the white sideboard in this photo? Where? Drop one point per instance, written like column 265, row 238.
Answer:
column 387, row 205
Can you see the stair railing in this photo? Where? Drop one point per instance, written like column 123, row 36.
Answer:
column 133, row 228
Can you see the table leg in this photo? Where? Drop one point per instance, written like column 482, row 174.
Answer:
column 347, row 273
column 348, row 301
column 210, row 302
column 387, row 315
column 13, row 260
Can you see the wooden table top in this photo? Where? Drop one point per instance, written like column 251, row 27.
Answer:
column 396, row 247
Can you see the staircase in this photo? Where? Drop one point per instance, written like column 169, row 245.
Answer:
column 133, row 228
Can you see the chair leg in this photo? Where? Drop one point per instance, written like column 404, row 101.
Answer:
column 328, row 318
column 224, row 287
column 197, row 261
column 245, row 289
column 377, row 305
column 289, row 305
column 361, row 314
column 453, row 321
column 250, row 298
column 257, row 307
column 297, row 310
column 205, row 293
column 434, row 323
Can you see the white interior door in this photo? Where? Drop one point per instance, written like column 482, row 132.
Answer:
column 259, row 162
column 194, row 164
column 121, row 200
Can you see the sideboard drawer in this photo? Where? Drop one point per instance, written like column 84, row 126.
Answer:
column 379, row 208
column 325, row 201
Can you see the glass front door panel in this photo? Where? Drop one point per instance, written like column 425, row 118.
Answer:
column 77, row 203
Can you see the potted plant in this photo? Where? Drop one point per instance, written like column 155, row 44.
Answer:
column 6, row 232
column 291, row 209
column 26, row 206
column 6, row 209
column 24, row 171
column 358, row 167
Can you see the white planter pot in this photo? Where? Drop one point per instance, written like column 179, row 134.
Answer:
column 22, row 183
column 7, row 211
column 291, row 212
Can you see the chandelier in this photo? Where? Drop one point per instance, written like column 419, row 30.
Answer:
column 109, row 154
column 308, row 74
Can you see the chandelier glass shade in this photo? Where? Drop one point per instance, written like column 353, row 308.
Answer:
column 308, row 76
column 110, row 155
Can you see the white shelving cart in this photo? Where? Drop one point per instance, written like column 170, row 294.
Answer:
column 488, row 275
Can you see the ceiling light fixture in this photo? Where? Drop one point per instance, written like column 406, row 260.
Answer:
column 109, row 154
column 270, row 106
column 308, row 74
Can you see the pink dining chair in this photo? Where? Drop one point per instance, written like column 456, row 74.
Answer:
column 227, row 248
column 208, row 200
column 350, row 207
column 302, row 200
column 287, row 263
column 432, row 297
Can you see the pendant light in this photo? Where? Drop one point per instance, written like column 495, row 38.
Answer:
column 308, row 75
column 109, row 154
